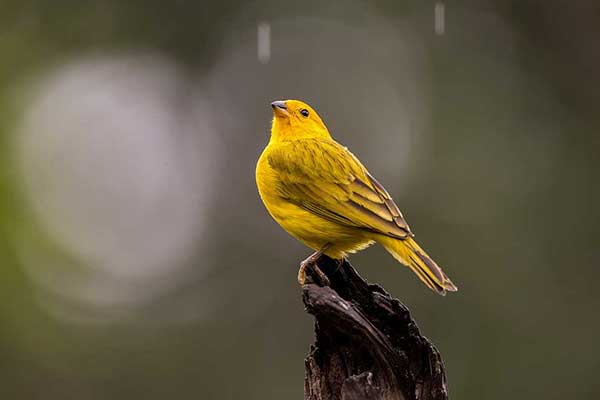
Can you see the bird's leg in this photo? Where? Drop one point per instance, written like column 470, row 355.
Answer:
column 339, row 263
column 311, row 262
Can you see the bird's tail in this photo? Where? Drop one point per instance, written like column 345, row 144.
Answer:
column 409, row 253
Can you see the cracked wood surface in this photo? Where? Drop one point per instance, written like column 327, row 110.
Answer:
column 367, row 345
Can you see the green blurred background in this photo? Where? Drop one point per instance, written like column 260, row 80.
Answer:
column 137, row 261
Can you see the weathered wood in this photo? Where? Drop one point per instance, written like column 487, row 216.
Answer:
column 367, row 345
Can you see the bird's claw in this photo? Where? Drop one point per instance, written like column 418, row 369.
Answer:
column 315, row 274
column 339, row 263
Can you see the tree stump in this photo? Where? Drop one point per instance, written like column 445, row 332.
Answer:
column 367, row 346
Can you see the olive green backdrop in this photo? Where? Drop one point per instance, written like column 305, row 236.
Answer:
column 137, row 261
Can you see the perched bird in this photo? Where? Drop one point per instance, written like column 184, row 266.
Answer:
column 322, row 195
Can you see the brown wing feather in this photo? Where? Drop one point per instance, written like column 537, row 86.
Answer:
column 329, row 181
column 389, row 202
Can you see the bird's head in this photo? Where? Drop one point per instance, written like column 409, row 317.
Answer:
column 294, row 119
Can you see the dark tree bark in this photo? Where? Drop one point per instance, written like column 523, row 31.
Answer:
column 367, row 345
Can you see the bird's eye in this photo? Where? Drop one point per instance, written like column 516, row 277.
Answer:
column 304, row 112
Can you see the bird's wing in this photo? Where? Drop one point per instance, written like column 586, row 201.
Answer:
column 324, row 178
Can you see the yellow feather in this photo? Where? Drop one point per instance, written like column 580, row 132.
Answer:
column 321, row 194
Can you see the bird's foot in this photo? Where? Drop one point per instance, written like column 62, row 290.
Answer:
column 339, row 262
column 315, row 274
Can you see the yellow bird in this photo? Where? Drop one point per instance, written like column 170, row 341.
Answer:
column 322, row 195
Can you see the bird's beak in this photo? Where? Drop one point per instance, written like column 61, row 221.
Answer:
column 279, row 108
